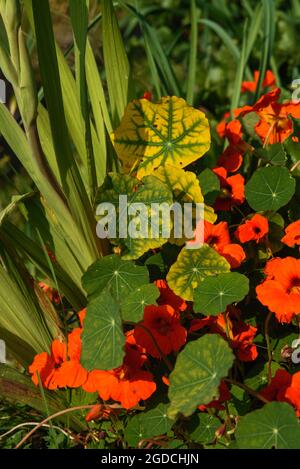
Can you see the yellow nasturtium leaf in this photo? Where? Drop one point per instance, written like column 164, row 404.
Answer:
column 185, row 185
column 152, row 135
column 191, row 267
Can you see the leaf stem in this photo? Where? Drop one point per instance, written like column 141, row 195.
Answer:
column 247, row 389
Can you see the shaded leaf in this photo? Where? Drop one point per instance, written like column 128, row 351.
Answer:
column 132, row 305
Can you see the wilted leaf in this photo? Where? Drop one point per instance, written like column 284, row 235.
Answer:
column 191, row 267
column 169, row 132
column 197, row 374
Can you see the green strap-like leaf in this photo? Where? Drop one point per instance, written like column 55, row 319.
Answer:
column 102, row 338
column 214, row 294
column 197, row 374
column 273, row 426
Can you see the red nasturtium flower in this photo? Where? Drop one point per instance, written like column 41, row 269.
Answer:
column 284, row 387
column 168, row 297
column 51, row 293
column 292, row 234
column 128, row 384
column 268, row 82
column 232, row 158
column 163, row 324
column 280, row 291
column 241, row 335
column 217, row 236
column 274, row 125
column 254, row 229
column 232, row 190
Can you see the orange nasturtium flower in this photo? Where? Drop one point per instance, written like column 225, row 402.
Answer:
column 268, row 82
column 168, row 297
column 232, row 190
column 254, row 229
column 284, row 387
column 62, row 367
column 217, row 236
column 128, row 384
column 163, row 324
column 274, row 125
column 280, row 291
column 292, row 234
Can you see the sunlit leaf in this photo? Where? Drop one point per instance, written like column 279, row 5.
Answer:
column 191, row 267
column 169, row 132
column 197, row 374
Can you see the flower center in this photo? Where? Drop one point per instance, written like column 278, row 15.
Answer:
column 225, row 193
column 162, row 326
column 295, row 285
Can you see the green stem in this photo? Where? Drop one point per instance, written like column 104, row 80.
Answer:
column 267, row 337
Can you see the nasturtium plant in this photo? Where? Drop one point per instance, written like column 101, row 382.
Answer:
column 197, row 374
column 202, row 428
column 214, row 294
column 273, row 426
column 192, row 266
column 169, row 132
column 270, row 188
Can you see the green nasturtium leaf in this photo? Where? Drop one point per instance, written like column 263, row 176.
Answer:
column 152, row 423
column 192, row 266
column 210, row 185
column 197, row 374
column 148, row 221
column 274, row 154
column 202, row 428
column 121, row 277
column 103, row 339
column 169, row 132
column 132, row 306
column 214, row 294
column 270, row 188
column 273, row 426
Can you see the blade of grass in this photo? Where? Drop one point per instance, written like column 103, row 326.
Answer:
column 79, row 10
column 116, row 62
column 193, row 54
column 268, row 39
column 239, row 73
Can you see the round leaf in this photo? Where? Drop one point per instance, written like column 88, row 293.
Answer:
column 120, row 276
column 133, row 305
column 273, row 426
column 191, row 267
column 102, row 338
column 197, row 374
column 152, row 423
column 270, row 188
column 214, row 294
column 202, row 428
column 169, row 132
